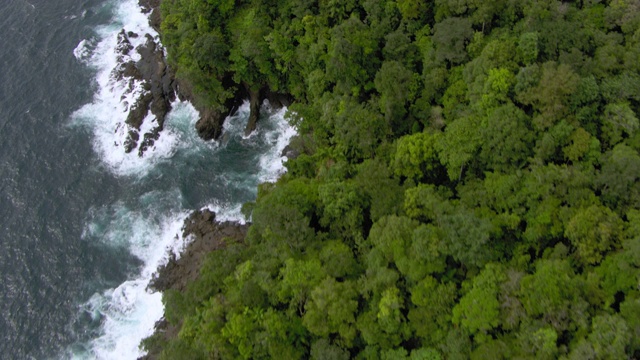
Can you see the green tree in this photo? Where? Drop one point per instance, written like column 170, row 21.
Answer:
column 618, row 178
column 528, row 47
column 459, row 145
column 358, row 130
column 609, row 336
column 478, row 310
column 550, row 292
column 430, row 316
column 619, row 121
column 331, row 310
column 342, row 209
column 351, row 62
column 397, row 86
column 506, row 138
column 383, row 191
column 594, row 231
column 299, row 278
column 322, row 349
column 451, row 37
column 551, row 95
column 415, row 155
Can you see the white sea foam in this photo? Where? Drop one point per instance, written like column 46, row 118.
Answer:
column 274, row 131
column 272, row 161
column 129, row 312
column 151, row 229
column 84, row 50
column 226, row 212
column 105, row 116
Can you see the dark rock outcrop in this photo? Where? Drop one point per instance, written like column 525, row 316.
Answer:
column 256, row 98
column 254, row 114
column 290, row 152
column 157, row 80
column 152, row 7
column 209, row 125
column 276, row 99
column 208, row 235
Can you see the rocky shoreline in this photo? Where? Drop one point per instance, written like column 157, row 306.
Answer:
column 201, row 229
column 152, row 86
column 151, row 83
column 206, row 234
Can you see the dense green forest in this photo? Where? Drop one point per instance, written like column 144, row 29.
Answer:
column 468, row 184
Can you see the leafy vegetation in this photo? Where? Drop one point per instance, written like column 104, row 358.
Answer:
column 468, row 184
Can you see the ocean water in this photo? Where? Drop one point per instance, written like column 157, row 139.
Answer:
column 84, row 225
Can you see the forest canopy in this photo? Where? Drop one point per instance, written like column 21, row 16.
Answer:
column 468, row 184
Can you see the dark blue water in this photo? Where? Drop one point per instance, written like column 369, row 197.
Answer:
column 83, row 226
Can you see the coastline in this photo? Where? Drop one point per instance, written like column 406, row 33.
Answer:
column 131, row 64
column 201, row 229
column 210, row 124
column 206, row 234
column 448, row 188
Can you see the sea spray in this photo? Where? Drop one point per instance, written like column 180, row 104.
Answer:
column 115, row 95
column 150, row 231
column 147, row 223
column 278, row 133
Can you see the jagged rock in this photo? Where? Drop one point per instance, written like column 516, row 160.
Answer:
column 153, row 7
column 138, row 111
column 277, row 100
column 209, row 125
column 256, row 98
column 208, row 235
column 129, row 70
column 148, row 140
column 132, row 141
column 254, row 111
column 158, row 81
column 123, row 45
column 290, row 152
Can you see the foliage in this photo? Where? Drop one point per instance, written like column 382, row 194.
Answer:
column 468, row 184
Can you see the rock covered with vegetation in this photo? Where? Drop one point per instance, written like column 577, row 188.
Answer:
column 467, row 184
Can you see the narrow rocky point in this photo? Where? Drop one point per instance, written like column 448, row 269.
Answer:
column 207, row 235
